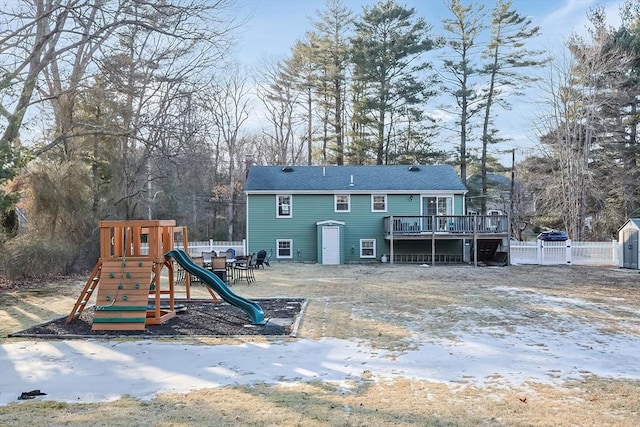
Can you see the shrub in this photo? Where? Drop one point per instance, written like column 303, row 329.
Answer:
column 26, row 257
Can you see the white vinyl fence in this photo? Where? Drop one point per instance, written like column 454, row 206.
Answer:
column 569, row 252
column 196, row 248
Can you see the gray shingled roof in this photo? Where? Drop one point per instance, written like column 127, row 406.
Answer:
column 395, row 178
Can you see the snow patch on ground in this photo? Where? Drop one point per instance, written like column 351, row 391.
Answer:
column 94, row 371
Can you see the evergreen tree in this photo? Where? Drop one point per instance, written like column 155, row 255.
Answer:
column 8, row 169
column 460, row 71
column 389, row 76
column 331, row 52
column 320, row 67
column 507, row 61
column 623, row 116
column 304, row 77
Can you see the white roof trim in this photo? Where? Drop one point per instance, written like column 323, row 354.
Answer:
column 327, row 192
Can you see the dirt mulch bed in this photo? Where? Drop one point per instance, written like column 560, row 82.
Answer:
column 194, row 318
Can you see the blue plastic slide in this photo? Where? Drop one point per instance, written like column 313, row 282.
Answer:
column 253, row 309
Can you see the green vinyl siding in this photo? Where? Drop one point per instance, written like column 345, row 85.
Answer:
column 458, row 205
column 264, row 228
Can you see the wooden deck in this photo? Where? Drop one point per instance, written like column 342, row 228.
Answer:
column 484, row 233
column 446, row 227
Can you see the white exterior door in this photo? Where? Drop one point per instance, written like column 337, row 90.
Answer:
column 330, row 245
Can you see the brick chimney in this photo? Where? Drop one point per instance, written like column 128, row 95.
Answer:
column 248, row 161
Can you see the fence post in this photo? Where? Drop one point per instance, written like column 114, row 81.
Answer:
column 540, row 252
column 568, row 251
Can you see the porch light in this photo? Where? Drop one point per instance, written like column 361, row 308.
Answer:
column 411, row 198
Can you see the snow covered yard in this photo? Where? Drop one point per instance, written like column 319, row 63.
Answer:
column 529, row 336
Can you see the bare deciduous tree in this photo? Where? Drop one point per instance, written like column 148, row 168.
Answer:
column 280, row 101
column 228, row 107
column 578, row 90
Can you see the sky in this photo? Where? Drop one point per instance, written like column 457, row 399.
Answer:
column 274, row 25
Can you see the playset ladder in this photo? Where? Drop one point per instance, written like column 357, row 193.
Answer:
column 86, row 293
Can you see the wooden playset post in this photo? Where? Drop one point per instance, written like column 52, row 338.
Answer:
column 184, row 238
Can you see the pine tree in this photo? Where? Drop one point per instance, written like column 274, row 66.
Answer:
column 460, row 71
column 389, row 78
column 507, row 61
column 321, row 64
column 623, row 116
column 332, row 54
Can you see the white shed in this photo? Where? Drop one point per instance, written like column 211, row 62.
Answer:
column 629, row 238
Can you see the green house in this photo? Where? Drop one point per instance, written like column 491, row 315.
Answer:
column 346, row 214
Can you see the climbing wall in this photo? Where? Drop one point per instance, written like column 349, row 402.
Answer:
column 123, row 294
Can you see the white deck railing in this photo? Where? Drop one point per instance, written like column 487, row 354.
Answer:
column 196, row 248
column 400, row 225
column 569, row 252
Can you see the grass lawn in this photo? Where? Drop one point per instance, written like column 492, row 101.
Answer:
column 378, row 345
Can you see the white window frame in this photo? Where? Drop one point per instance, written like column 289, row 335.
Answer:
column 373, row 205
column 278, row 215
column 335, row 203
column 278, row 255
column 373, row 248
column 449, row 202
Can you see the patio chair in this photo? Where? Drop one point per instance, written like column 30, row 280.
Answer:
column 244, row 269
column 199, row 261
column 232, row 252
column 179, row 274
column 206, row 259
column 253, row 267
column 219, row 267
column 260, row 257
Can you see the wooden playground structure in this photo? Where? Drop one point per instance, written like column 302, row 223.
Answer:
column 128, row 281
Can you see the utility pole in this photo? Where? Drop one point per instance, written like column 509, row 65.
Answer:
column 309, row 126
column 513, row 177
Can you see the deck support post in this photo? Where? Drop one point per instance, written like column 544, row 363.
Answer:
column 475, row 242
column 391, row 241
column 433, row 239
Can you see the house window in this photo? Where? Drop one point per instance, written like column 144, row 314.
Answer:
column 285, row 248
column 283, row 207
column 378, row 203
column 367, row 248
column 342, row 203
column 441, row 207
column 437, row 206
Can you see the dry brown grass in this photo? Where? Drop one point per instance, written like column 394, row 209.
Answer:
column 385, row 307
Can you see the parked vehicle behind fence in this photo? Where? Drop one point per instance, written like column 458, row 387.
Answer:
column 554, row 236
